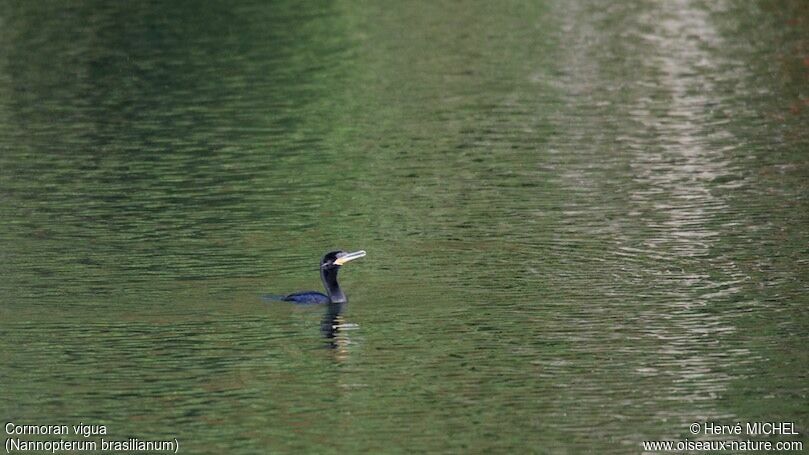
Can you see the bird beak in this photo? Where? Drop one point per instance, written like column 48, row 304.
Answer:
column 349, row 257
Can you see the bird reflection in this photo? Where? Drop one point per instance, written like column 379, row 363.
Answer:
column 335, row 329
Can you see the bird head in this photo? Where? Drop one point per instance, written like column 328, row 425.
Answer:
column 336, row 259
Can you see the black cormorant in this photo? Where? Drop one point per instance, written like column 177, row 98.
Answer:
column 329, row 266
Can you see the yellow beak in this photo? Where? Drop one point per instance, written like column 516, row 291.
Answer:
column 349, row 257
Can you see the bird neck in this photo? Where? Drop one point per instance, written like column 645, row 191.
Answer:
column 329, row 277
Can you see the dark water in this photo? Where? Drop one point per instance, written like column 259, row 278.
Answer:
column 586, row 223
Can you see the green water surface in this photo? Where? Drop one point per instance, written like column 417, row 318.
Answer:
column 587, row 223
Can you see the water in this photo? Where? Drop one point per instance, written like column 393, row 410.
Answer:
column 585, row 223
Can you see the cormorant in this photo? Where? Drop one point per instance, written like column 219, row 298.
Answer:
column 329, row 266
